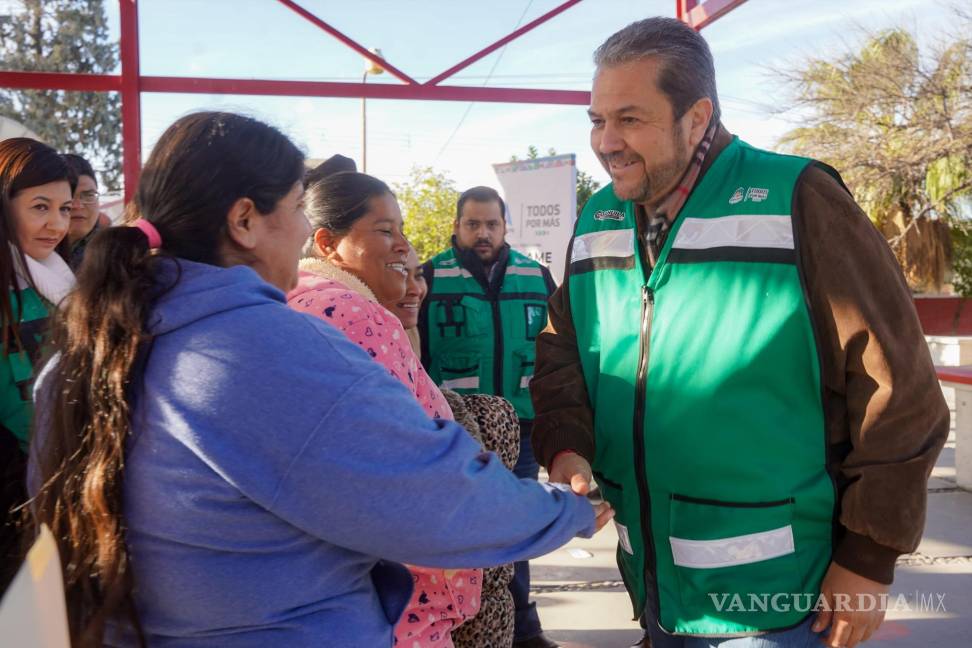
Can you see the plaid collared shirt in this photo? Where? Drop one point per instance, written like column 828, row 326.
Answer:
column 659, row 223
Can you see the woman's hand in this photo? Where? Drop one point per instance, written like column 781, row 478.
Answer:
column 603, row 514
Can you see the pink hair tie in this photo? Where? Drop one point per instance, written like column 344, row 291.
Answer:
column 154, row 238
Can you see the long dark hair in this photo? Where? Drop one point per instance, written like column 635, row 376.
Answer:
column 24, row 163
column 199, row 168
column 336, row 201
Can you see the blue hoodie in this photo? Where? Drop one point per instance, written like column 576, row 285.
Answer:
column 272, row 465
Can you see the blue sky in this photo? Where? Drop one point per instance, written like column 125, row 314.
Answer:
column 263, row 39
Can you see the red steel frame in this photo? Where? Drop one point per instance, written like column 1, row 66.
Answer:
column 130, row 83
column 958, row 375
column 701, row 13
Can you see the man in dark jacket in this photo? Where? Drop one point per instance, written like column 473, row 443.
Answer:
column 735, row 356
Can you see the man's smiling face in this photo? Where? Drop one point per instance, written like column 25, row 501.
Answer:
column 634, row 132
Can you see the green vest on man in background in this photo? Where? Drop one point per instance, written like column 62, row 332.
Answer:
column 478, row 324
column 479, row 334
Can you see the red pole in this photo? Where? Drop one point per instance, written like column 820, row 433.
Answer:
column 131, row 97
column 698, row 14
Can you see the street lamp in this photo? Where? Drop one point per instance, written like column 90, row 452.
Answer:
column 370, row 68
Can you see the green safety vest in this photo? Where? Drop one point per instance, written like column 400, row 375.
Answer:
column 486, row 343
column 17, row 366
column 704, row 380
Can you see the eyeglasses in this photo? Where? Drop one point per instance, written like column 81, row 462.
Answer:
column 87, row 197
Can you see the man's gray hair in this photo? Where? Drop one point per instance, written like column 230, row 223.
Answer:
column 687, row 72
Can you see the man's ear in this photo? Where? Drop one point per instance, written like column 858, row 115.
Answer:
column 240, row 223
column 326, row 244
column 696, row 120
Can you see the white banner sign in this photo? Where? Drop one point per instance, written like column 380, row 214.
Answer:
column 541, row 202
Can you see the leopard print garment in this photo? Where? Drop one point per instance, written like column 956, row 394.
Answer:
column 492, row 421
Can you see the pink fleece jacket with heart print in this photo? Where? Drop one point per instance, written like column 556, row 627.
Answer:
column 441, row 599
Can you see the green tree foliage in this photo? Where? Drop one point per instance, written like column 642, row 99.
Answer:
column 64, row 36
column 428, row 201
column 962, row 257
column 897, row 122
column 586, row 185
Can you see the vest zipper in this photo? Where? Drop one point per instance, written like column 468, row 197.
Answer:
column 647, row 313
column 497, row 346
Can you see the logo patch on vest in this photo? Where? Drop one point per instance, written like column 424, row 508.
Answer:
column 757, row 194
column 609, row 214
column 752, row 194
column 536, row 319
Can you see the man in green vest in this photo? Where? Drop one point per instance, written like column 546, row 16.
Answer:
column 735, row 358
column 479, row 323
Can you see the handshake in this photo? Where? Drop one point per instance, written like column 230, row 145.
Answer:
column 572, row 469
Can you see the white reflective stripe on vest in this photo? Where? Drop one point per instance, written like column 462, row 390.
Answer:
column 610, row 243
column 471, row 382
column 525, row 381
column 524, row 270
column 735, row 231
column 451, row 272
column 739, row 550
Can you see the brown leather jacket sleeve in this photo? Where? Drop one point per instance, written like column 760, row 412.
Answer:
column 885, row 414
column 562, row 412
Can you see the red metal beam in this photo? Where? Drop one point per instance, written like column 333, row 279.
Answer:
column 960, row 375
column 702, row 14
column 131, row 97
column 59, row 81
column 394, row 71
column 198, row 85
column 682, row 8
column 501, row 42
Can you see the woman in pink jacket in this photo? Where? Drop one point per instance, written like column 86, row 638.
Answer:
column 355, row 259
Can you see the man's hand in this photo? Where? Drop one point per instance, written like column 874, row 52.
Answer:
column 573, row 469
column 849, row 624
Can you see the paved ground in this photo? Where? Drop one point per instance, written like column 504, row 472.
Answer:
column 583, row 605
column 579, row 595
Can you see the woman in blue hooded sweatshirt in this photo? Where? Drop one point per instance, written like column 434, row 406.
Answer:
column 220, row 470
